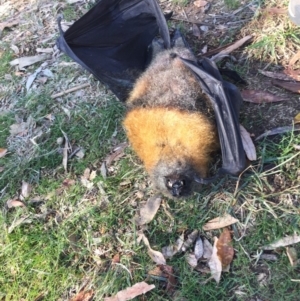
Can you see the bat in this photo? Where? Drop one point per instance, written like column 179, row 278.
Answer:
column 179, row 109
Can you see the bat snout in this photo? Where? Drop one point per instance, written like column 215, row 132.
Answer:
column 177, row 186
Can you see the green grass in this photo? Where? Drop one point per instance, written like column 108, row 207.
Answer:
column 232, row 4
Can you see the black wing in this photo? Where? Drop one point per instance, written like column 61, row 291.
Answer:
column 112, row 41
column 226, row 100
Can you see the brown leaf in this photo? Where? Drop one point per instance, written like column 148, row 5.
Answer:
column 117, row 153
column 26, row 190
column 65, row 151
column 276, row 75
column 116, row 258
column 225, row 249
column 196, row 31
column 190, row 240
column 257, row 96
column 3, row 152
column 191, row 259
column 8, row 24
column 215, row 263
column 148, row 210
column 283, row 242
column 129, row 293
column 68, row 182
column 156, row 256
column 290, row 86
column 220, row 222
column 83, row 296
column 200, row 3
column 169, row 274
column 297, row 118
column 248, row 144
column 14, row 203
column 171, row 250
column 292, row 255
column 276, row 11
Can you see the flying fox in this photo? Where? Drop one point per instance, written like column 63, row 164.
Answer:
column 179, row 109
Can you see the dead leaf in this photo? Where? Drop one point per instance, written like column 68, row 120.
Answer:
column 168, row 273
column 191, row 259
column 68, row 182
column 8, row 24
column 215, row 263
column 199, row 248
column 297, row 118
column 84, row 296
column 17, row 222
column 93, row 175
column 248, row 144
column 3, row 152
column 129, row 293
column 190, row 240
column 196, row 31
column 148, row 210
column 290, row 86
column 292, row 255
column 14, row 203
column 279, row 130
column 276, row 11
column 207, row 249
column 156, row 256
column 28, row 60
column 26, row 190
column 200, row 3
column 220, row 222
column 257, row 96
column 276, row 75
column 171, row 250
column 116, row 258
column 32, row 77
column 225, row 249
column 283, row 242
column 117, row 153
column 65, row 151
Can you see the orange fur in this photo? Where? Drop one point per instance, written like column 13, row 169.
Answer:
column 139, row 90
column 168, row 134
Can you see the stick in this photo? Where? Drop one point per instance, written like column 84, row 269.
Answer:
column 69, row 90
column 231, row 48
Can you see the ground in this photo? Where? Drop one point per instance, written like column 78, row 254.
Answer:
column 71, row 228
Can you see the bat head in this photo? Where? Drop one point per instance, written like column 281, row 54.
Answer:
column 174, row 179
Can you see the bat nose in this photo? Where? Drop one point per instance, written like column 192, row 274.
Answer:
column 177, row 188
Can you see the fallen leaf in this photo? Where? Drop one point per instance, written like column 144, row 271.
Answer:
column 148, row 210
column 3, row 152
column 65, row 151
column 292, row 255
column 32, row 77
column 220, row 222
column 116, row 258
column 199, row 248
column 118, row 152
column 200, row 3
column 297, row 118
column 290, row 86
column 129, row 293
column 8, row 24
column 156, row 256
column 276, row 75
column 215, row 263
column 17, row 222
column 190, row 240
column 283, row 242
column 191, row 259
column 196, row 31
column 168, row 273
column 207, row 249
column 28, row 60
column 68, row 182
column 248, row 144
column 279, row 130
column 171, row 250
column 26, row 190
column 225, row 250
column 84, row 296
column 14, row 203
column 103, row 170
column 93, row 175
column 257, row 96
column 276, row 11
column 80, row 154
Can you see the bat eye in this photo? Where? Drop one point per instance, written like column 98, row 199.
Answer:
column 175, row 186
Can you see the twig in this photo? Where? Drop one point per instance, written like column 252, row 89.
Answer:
column 231, row 48
column 188, row 21
column 69, row 90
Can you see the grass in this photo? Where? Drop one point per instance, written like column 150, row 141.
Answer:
column 66, row 237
